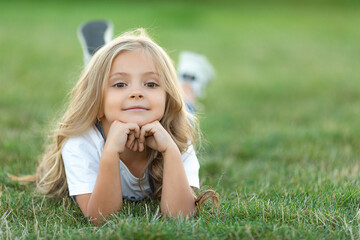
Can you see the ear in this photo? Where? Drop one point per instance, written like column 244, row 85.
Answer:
column 100, row 115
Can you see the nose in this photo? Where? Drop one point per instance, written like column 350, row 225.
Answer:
column 136, row 94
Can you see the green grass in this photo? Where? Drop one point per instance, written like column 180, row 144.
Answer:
column 281, row 120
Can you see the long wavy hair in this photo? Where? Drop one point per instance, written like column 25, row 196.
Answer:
column 86, row 103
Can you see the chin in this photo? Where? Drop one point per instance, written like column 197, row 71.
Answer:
column 139, row 119
column 140, row 122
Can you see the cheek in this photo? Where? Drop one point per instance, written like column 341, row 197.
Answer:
column 162, row 101
column 110, row 103
column 161, row 104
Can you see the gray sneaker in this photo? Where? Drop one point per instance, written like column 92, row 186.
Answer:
column 195, row 69
column 93, row 35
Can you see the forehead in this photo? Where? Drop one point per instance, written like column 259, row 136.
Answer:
column 133, row 62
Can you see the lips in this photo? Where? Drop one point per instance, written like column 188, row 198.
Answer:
column 136, row 108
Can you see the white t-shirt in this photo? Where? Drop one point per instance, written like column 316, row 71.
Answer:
column 81, row 156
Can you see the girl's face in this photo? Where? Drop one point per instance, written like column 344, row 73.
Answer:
column 134, row 93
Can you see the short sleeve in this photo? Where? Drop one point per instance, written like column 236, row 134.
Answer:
column 192, row 166
column 81, row 161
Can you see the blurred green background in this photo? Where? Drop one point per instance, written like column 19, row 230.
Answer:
column 280, row 120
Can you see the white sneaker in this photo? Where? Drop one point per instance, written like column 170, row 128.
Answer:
column 93, row 35
column 196, row 70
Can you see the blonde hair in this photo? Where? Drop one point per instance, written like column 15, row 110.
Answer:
column 87, row 101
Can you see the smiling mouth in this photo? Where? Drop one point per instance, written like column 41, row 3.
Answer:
column 136, row 108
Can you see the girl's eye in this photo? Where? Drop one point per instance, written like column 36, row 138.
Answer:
column 151, row 84
column 119, row 85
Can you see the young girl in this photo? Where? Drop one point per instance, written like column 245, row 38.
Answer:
column 125, row 134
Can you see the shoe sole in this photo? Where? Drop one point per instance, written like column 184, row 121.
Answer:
column 93, row 35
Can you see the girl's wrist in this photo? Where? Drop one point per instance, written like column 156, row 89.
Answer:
column 172, row 148
column 112, row 147
column 110, row 153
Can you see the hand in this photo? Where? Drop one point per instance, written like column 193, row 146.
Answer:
column 155, row 136
column 121, row 135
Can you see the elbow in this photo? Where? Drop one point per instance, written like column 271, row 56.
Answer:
column 186, row 212
column 178, row 214
column 96, row 218
column 100, row 215
column 96, row 221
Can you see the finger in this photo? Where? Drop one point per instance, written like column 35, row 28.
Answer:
column 132, row 145
column 128, row 144
column 145, row 132
column 141, row 147
column 130, row 140
column 135, row 147
column 142, row 134
column 135, row 129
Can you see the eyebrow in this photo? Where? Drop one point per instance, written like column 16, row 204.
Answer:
column 151, row 73
column 119, row 73
column 127, row 74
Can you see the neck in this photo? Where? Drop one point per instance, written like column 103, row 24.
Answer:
column 134, row 161
column 106, row 127
column 129, row 157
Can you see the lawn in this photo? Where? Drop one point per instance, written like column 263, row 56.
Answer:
column 280, row 122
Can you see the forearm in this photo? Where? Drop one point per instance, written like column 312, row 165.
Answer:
column 177, row 197
column 107, row 195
